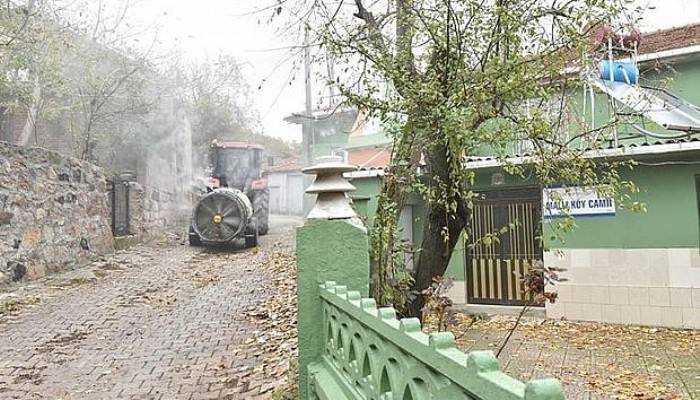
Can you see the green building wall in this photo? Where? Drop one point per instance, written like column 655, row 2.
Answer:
column 365, row 203
column 670, row 221
column 365, row 198
column 679, row 76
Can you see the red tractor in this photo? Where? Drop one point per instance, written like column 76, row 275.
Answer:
column 237, row 200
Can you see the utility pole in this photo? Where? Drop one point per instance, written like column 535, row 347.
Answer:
column 308, row 124
column 330, row 66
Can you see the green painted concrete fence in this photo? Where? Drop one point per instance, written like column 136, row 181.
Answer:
column 351, row 349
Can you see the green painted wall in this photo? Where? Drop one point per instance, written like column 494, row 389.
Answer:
column 372, row 140
column 671, row 220
column 367, row 191
column 327, row 148
column 680, row 77
column 366, row 207
column 332, row 132
column 327, row 250
column 456, row 267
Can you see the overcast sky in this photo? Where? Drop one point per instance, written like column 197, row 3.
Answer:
column 208, row 27
column 204, row 28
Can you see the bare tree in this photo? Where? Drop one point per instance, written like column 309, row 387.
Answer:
column 107, row 76
column 220, row 102
column 30, row 64
column 15, row 19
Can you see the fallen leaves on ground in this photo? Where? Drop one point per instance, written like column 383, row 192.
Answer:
column 275, row 340
column 202, row 279
column 594, row 335
column 618, row 382
column 621, row 362
column 11, row 304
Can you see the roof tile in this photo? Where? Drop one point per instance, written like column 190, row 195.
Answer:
column 670, row 39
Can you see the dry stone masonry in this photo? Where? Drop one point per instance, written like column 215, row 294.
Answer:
column 53, row 212
column 153, row 211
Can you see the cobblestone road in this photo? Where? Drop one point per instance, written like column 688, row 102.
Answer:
column 154, row 322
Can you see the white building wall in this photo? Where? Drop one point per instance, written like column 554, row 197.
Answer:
column 656, row 287
column 286, row 192
column 277, row 182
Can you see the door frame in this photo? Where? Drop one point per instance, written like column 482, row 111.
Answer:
column 498, row 265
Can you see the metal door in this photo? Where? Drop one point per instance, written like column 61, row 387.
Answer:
column 276, row 200
column 504, row 241
column 120, row 206
column 295, row 194
column 275, row 182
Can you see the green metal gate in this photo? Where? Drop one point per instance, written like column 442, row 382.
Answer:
column 496, row 260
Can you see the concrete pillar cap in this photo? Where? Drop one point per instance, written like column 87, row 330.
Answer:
column 332, row 189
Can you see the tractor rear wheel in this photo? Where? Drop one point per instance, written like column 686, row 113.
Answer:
column 261, row 210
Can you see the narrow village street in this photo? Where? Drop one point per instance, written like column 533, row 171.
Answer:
column 349, row 200
column 159, row 321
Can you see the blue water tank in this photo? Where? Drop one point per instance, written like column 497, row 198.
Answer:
column 619, row 69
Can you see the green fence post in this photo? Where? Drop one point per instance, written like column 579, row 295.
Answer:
column 331, row 246
column 544, row 389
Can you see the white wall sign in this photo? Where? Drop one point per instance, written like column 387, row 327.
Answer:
column 575, row 201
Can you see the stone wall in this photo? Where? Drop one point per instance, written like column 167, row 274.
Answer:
column 152, row 211
column 53, row 212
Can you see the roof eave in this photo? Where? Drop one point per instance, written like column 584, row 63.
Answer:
column 671, row 53
column 657, row 149
column 365, row 173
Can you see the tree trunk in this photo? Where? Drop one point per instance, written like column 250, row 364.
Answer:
column 436, row 249
column 395, row 187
